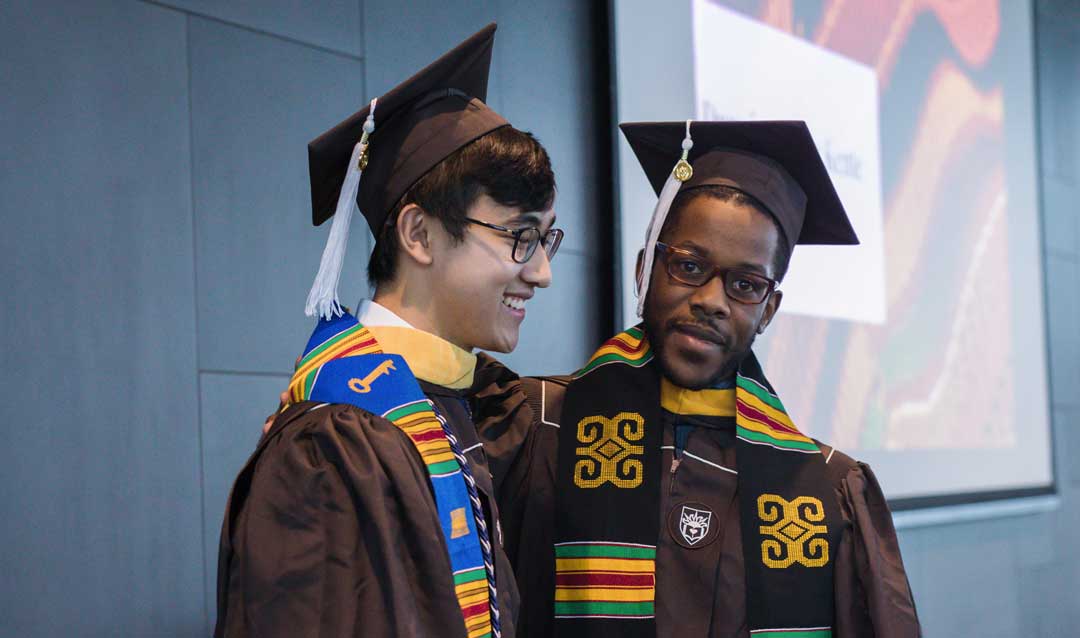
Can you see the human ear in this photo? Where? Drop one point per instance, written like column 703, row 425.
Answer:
column 772, row 304
column 412, row 234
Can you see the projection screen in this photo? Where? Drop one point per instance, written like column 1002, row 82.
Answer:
column 922, row 350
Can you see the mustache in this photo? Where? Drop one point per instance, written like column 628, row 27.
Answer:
column 700, row 329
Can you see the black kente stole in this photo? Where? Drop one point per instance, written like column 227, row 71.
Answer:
column 608, row 518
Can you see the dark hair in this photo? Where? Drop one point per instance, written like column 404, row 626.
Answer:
column 723, row 193
column 508, row 165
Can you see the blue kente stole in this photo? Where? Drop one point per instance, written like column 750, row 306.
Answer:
column 343, row 363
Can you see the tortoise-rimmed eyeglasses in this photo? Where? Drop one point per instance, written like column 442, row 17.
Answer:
column 688, row 268
column 526, row 240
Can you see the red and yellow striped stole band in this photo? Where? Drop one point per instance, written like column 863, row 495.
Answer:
column 629, row 348
column 605, row 580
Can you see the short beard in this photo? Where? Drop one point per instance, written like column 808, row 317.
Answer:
column 725, row 372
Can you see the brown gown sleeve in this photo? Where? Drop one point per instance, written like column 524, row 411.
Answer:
column 331, row 531
column 503, row 416
column 282, row 574
column 527, row 507
column 873, row 596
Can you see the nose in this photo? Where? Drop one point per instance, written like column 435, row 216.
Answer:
column 711, row 300
column 537, row 271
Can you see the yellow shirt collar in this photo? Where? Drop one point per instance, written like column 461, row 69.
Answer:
column 706, row 402
column 431, row 358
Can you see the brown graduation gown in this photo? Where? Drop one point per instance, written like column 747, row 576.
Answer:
column 700, row 591
column 331, row 528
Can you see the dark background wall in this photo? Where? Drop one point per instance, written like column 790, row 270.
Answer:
column 157, row 252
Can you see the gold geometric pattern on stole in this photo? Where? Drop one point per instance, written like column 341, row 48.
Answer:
column 607, row 452
column 793, row 531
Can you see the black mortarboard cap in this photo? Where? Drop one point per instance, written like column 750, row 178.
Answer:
column 418, row 123
column 774, row 162
column 379, row 152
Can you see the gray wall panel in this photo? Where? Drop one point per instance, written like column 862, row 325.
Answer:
column 1060, row 224
column 1067, row 421
column 1063, row 309
column 100, row 465
column 967, row 588
column 233, row 408
column 1037, row 588
column 1058, row 59
column 256, row 103
column 401, row 38
column 334, row 24
column 546, row 86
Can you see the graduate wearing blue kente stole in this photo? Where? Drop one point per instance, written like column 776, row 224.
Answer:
column 368, row 508
column 375, row 469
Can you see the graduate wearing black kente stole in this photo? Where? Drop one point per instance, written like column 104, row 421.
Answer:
column 663, row 490
column 368, row 507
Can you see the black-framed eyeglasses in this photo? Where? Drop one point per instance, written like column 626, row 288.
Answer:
column 740, row 285
column 526, row 240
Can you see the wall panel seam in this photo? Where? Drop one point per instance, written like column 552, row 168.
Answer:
column 270, row 34
column 195, row 313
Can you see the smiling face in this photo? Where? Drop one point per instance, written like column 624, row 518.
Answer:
column 699, row 334
column 480, row 292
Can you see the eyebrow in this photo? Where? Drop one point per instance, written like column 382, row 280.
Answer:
column 535, row 218
column 525, row 217
column 702, row 252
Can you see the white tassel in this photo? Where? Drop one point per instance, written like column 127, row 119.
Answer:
column 679, row 174
column 323, row 298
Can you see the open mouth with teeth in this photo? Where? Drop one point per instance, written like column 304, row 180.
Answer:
column 513, row 303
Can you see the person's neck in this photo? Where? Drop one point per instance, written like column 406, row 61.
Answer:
column 412, row 304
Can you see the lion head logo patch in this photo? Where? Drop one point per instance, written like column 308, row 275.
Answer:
column 692, row 525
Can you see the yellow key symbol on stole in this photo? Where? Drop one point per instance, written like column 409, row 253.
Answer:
column 363, row 386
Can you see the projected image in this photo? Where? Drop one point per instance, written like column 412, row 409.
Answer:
column 921, row 350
